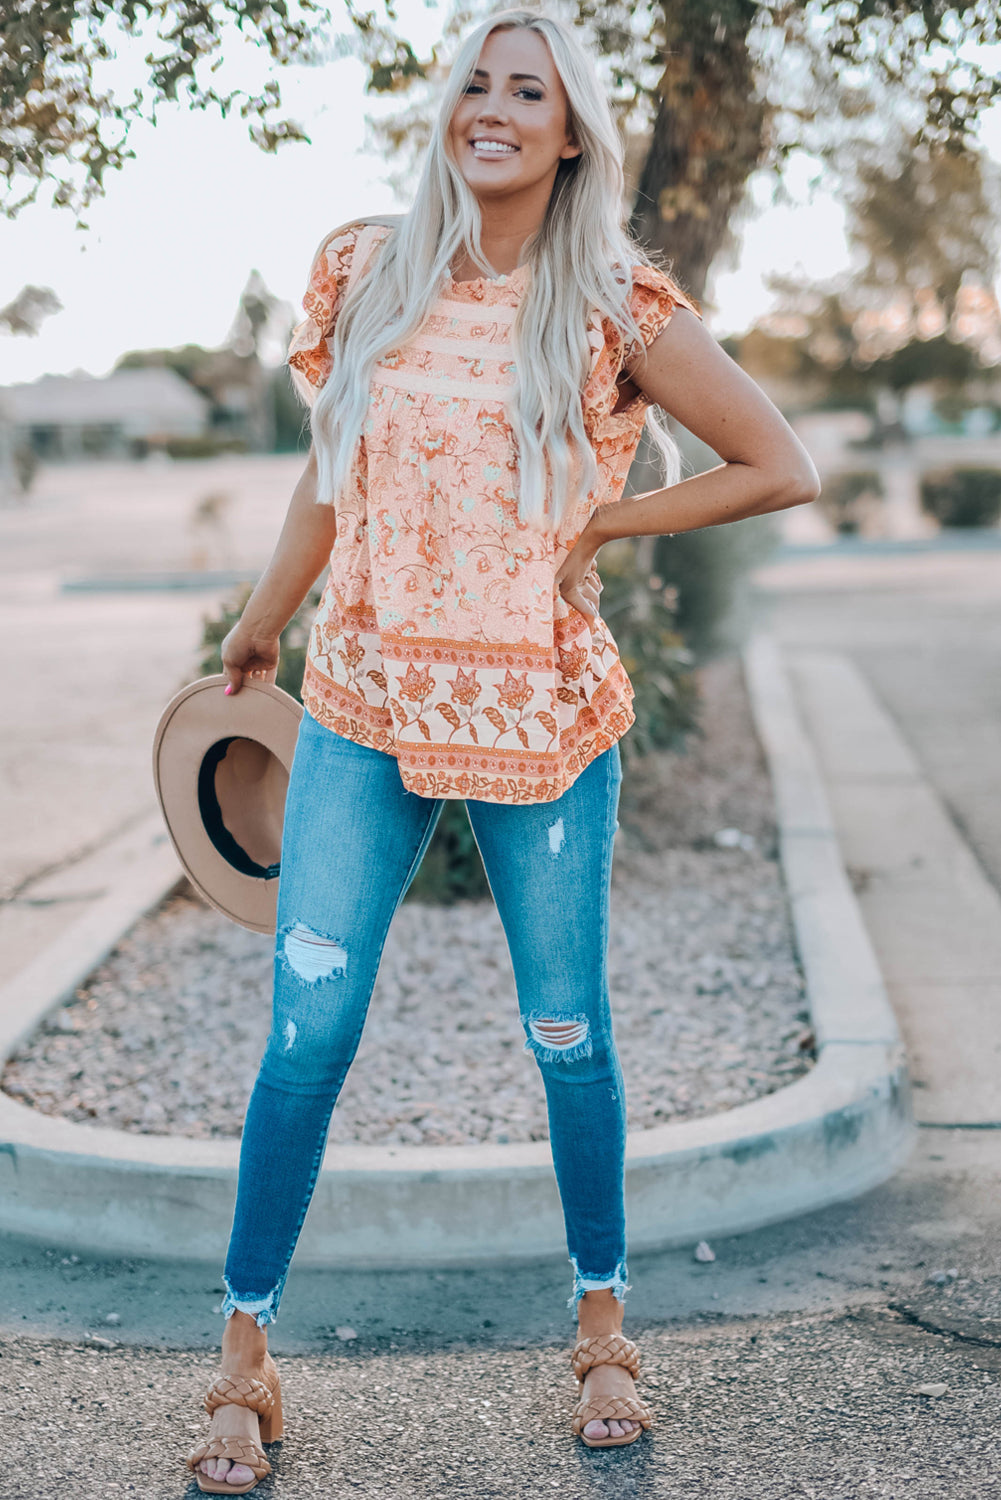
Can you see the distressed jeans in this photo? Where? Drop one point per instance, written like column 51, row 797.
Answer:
column 353, row 840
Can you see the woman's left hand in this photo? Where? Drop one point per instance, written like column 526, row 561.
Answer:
column 578, row 581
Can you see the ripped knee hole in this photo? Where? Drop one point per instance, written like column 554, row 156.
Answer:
column 559, row 1035
column 312, row 956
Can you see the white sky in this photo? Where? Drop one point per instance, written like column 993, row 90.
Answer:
column 171, row 245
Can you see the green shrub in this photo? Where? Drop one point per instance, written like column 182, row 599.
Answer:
column 205, row 445
column 841, row 496
column 294, row 639
column 639, row 611
column 963, row 497
column 451, row 869
column 709, row 571
column 26, row 465
column 291, row 433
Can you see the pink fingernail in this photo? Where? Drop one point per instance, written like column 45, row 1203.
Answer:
column 229, row 688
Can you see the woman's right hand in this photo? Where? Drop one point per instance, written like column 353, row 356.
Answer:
column 249, row 653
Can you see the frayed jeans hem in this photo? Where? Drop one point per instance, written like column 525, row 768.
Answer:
column 617, row 1283
column 261, row 1309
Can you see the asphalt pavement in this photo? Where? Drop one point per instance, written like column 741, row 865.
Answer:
column 855, row 1352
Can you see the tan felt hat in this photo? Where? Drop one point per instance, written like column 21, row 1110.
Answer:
column 221, row 767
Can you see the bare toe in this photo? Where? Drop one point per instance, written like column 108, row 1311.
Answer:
column 595, row 1430
column 225, row 1469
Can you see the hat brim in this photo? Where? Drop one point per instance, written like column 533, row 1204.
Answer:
column 192, row 725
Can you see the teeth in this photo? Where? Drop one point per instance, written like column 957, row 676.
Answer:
column 498, row 148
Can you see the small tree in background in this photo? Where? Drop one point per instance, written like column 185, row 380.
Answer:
column 260, row 321
column 22, row 318
column 923, row 222
column 963, row 497
column 917, row 306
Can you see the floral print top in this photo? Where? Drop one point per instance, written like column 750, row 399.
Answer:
column 440, row 636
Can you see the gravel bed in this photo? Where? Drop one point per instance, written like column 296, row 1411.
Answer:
column 707, row 993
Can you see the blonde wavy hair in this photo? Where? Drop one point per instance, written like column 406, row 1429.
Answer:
column 579, row 261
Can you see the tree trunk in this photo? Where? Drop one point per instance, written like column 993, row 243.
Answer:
column 708, row 136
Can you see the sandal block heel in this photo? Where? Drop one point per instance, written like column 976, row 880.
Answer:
column 273, row 1426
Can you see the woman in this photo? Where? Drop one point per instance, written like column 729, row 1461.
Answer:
column 480, row 373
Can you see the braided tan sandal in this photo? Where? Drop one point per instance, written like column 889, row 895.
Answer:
column 263, row 1396
column 608, row 1349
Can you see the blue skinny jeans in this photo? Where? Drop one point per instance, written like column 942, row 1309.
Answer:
column 353, row 840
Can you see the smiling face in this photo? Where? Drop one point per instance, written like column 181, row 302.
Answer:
column 510, row 130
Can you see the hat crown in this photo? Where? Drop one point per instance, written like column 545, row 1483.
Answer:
column 221, row 766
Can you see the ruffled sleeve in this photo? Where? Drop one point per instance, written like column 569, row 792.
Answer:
column 655, row 297
column 309, row 358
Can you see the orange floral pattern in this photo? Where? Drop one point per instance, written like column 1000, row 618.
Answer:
column 440, row 636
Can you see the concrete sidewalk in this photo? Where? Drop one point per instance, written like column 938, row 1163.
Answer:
column 88, row 674
column 910, row 647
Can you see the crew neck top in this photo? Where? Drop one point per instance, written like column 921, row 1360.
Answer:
column 440, row 637
column 519, row 275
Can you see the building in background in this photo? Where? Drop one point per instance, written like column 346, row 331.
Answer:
column 128, row 414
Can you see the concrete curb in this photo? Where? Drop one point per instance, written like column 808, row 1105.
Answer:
column 145, row 583
column 60, row 969
column 841, row 1129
